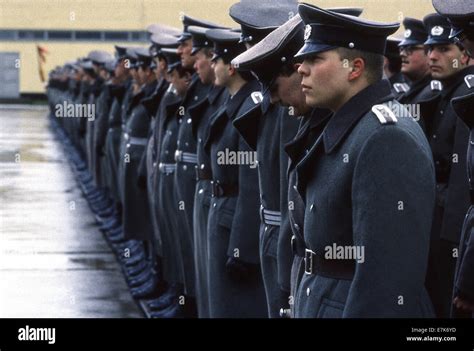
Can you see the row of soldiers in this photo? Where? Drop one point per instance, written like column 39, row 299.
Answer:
column 306, row 164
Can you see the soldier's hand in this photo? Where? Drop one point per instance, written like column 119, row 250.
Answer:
column 240, row 271
column 463, row 304
column 284, row 299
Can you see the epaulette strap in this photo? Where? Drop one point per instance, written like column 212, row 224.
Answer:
column 436, row 85
column 384, row 114
column 257, row 97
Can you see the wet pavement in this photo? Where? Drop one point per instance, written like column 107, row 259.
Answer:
column 54, row 261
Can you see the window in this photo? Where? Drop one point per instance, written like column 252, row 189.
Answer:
column 88, row 35
column 59, row 35
column 31, row 35
column 139, row 36
column 117, row 36
column 66, row 35
column 8, row 34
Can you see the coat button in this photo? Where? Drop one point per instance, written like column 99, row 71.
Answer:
column 308, row 292
column 294, row 187
column 214, row 205
column 189, row 120
column 186, row 144
column 441, row 111
column 185, row 167
column 266, row 228
column 196, row 98
column 202, row 165
column 200, row 140
column 297, row 227
column 201, row 191
column 434, row 136
column 311, row 207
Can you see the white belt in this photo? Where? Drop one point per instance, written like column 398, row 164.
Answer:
column 138, row 141
column 270, row 217
column 187, row 157
column 167, row 168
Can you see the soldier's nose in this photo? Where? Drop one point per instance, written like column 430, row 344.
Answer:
column 302, row 70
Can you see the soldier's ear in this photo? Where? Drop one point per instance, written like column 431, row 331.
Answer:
column 465, row 58
column 357, row 68
column 232, row 70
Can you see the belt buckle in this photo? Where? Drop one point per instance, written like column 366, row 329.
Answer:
column 213, row 191
column 308, row 261
column 262, row 214
column 216, row 188
column 178, row 155
column 293, row 244
column 196, row 169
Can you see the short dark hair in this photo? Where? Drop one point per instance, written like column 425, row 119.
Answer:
column 245, row 74
column 182, row 71
column 394, row 64
column 287, row 69
column 373, row 62
column 208, row 52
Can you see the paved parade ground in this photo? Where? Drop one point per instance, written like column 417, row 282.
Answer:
column 54, row 262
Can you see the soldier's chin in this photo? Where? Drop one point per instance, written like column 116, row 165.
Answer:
column 405, row 68
column 438, row 75
column 313, row 101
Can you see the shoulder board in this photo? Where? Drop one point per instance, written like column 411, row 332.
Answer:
column 401, row 87
column 436, row 85
column 384, row 114
column 257, row 97
column 469, row 79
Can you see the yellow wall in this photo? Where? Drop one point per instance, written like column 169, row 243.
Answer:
column 136, row 15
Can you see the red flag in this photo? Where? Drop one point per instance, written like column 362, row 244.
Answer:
column 42, row 51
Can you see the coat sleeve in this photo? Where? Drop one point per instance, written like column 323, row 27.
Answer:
column 393, row 198
column 288, row 130
column 244, row 236
column 464, row 285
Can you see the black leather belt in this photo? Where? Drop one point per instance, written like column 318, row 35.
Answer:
column 224, row 190
column 297, row 246
column 336, row 268
column 270, row 217
column 202, row 174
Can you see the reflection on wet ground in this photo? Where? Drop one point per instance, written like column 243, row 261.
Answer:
column 54, row 261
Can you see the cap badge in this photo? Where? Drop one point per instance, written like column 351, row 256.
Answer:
column 407, row 33
column 437, row 30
